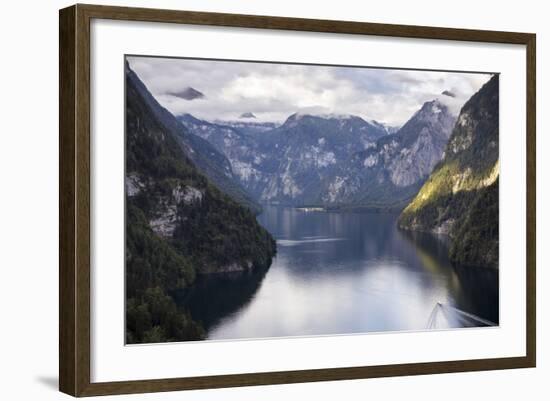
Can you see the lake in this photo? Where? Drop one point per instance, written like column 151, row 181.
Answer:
column 342, row 273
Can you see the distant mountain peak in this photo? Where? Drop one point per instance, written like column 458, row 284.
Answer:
column 188, row 93
column 247, row 115
column 322, row 116
column 430, row 110
column 294, row 118
column 438, row 107
column 389, row 129
column 465, row 209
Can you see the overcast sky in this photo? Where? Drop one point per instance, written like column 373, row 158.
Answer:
column 272, row 92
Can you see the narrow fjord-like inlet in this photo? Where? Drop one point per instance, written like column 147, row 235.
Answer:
column 308, row 221
column 341, row 273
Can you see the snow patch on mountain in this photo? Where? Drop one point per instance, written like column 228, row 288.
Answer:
column 370, row 161
column 187, row 194
column 334, row 188
column 134, row 185
column 243, row 170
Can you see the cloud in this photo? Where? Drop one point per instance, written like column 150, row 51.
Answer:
column 187, row 94
column 274, row 91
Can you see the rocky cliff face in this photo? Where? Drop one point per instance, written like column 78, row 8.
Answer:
column 282, row 164
column 333, row 160
column 178, row 223
column 461, row 196
column 392, row 170
column 298, row 159
column 206, row 158
column 178, row 201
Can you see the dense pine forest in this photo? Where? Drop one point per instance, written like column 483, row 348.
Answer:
column 461, row 196
column 194, row 189
column 179, row 224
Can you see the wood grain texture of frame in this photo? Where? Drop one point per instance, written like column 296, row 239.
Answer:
column 74, row 199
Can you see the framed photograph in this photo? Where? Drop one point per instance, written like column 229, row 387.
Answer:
column 250, row 200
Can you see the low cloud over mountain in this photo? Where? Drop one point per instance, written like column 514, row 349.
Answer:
column 275, row 91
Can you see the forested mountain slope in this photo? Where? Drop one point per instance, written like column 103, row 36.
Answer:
column 208, row 160
column 461, row 196
column 178, row 224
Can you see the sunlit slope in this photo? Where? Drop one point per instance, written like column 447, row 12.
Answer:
column 461, row 196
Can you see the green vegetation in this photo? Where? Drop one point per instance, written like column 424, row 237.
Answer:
column 461, row 196
column 476, row 235
column 178, row 225
column 154, row 317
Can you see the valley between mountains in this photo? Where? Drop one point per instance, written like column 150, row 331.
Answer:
column 194, row 189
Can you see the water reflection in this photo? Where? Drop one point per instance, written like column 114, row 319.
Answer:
column 217, row 296
column 338, row 273
column 474, row 290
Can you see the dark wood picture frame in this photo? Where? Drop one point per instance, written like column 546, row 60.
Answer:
column 74, row 199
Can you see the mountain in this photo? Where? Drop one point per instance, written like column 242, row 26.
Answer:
column 178, row 222
column 188, row 94
column 288, row 163
column 389, row 129
column 247, row 115
column 461, row 196
column 248, row 127
column 333, row 160
column 298, row 160
column 390, row 173
column 204, row 156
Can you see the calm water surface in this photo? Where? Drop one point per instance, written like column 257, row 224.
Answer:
column 338, row 273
